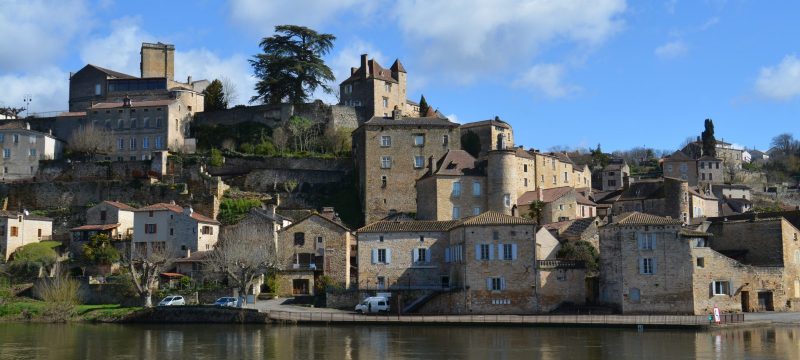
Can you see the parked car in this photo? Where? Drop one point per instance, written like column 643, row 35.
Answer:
column 172, row 300
column 226, row 301
column 373, row 305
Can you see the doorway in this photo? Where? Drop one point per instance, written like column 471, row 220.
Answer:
column 765, row 301
column 300, row 287
column 746, row 301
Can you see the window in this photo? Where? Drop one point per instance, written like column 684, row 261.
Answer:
column 419, row 140
column 703, row 176
column 419, row 161
column 380, row 238
column 445, row 139
column 525, row 168
column 702, row 165
column 508, row 251
column 32, row 152
column 421, row 255
column 384, row 180
column 612, row 182
column 566, row 176
column 560, row 207
column 385, row 102
column 555, row 180
column 386, row 141
column 150, row 213
column 525, row 181
column 158, row 143
column 495, row 235
column 721, row 287
column 646, row 241
column 6, row 154
column 387, row 86
column 299, row 239
column 97, row 89
column 476, row 210
column 146, row 123
column 149, row 228
column 133, row 143
column 14, row 231
column 507, row 200
column 476, row 188
column 456, row 213
column 133, row 123
column 382, row 256
column 456, row 189
column 103, row 215
column 32, row 139
column 207, row 230
column 710, row 177
column 701, row 262
column 647, row 266
column 380, row 282
column 121, row 144
column 386, row 162
column 158, row 123
column 2, row 137
column 716, row 166
column 171, row 231
column 684, row 168
column 495, row 284
column 484, row 252
column 669, row 168
column 634, row 295
column 145, row 143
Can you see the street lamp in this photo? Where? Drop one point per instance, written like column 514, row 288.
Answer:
column 27, row 99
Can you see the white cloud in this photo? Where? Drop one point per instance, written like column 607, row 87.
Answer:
column 463, row 39
column 203, row 64
column 780, row 82
column 48, row 88
column 547, row 79
column 453, row 118
column 36, row 33
column 119, row 50
column 672, row 50
column 262, row 16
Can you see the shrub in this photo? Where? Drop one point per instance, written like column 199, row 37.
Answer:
column 232, row 211
column 215, row 158
column 100, row 251
column 60, row 295
column 28, row 260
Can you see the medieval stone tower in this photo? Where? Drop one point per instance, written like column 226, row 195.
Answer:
column 158, row 61
column 377, row 90
column 502, row 181
column 676, row 199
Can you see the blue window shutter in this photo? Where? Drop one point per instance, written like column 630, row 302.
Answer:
column 641, row 266
column 500, row 254
column 502, row 283
column 491, row 252
column 655, row 266
column 640, row 238
column 388, row 256
column 488, row 283
column 447, row 255
column 428, row 255
column 374, row 256
column 478, row 252
column 653, row 240
column 414, row 255
column 513, row 251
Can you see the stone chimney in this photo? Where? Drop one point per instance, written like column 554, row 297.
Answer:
column 328, row 213
column 188, row 253
column 188, row 210
column 126, row 101
column 396, row 113
column 189, row 79
column 27, row 126
column 364, row 65
column 626, row 182
column 172, row 202
column 353, row 70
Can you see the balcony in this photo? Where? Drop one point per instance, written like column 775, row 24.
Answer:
column 560, row 264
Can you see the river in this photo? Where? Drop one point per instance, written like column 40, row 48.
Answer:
column 112, row 341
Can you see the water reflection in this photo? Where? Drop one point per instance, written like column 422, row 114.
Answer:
column 83, row 341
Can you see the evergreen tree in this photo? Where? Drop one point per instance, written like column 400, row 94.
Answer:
column 709, row 142
column 470, row 142
column 215, row 96
column 291, row 66
column 423, row 107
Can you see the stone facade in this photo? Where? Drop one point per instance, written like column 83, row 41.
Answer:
column 377, row 90
column 19, row 229
column 158, row 60
column 22, row 149
column 493, row 134
column 179, row 231
column 614, row 175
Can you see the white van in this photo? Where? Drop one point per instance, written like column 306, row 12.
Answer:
column 373, row 305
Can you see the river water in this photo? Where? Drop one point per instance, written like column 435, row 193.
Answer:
column 111, row 341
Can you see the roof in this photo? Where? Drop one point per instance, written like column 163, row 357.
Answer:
column 583, row 200
column 791, row 216
column 408, row 226
column 492, row 122
column 615, row 166
column 14, row 214
column 524, row 153
column 72, row 113
column 730, row 186
column 495, row 218
column 455, row 162
column 637, row 218
column 563, row 157
column 410, row 121
column 195, row 256
column 100, row 227
column 375, row 70
column 294, row 215
column 119, row 205
column 112, row 73
column 678, row 156
column 644, row 189
column 694, row 233
column 397, row 66
column 559, row 225
column 709, row 158
column 316, row 214
column 547, row 195
column 697, row 192
column 177, row 209
column 145, row 103
column 171, row 274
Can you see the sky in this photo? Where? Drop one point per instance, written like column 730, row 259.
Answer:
column 563, row 73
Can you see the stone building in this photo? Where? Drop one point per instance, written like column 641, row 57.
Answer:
column 392, row 153
column 112, row 218
column 378, row 90
column 493, row 134
column 20, row 229
column 726, row 152
column 453, row 188
column 651, row 264
column 560, row 204
column 173, row 229
column 614, row 175
column 22, row 149
column 316, row 245
column 664, row 197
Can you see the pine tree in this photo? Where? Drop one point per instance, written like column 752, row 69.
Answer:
column 423, row 107
column 215, row 96
column 709, row 142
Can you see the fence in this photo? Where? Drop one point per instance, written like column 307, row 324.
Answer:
column 622, row 320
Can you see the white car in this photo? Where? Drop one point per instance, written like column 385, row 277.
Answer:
column 172, row 300
column 226, row 301
column 373, row 305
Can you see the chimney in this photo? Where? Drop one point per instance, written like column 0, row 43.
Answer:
column 126, row 101
column 271, row 209
column 188, row 253
column 27, row 126
column 353, row 70
column 540, row 194
column 188, row 210
column 189, row 79
column 396, row 113
column 626, row 182
column 364, row 65
column 172, row 202
column 328, row 213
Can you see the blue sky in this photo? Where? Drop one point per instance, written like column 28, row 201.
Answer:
column 571, row 73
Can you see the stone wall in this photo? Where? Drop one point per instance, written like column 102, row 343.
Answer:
column 761, row 239
column 276, row 115
column 62, row 170
column 557, row 286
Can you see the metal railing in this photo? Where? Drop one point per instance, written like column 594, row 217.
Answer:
column 611, row 320
column 560, row 264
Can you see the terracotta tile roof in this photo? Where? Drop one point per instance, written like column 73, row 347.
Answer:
column 559, row 225
column 100, row 227
column 177, row 209
column 14, row 214
column 408, row 226
column 195, row 256
column 72, row 113
column 524, row 153
column 375, row 71
column 493, row 122
column 145, row 103
column 455, row 162
column 709, row 158
column 120, row 205
column 563, row 157
column 316, row 214
column 495, row 218
column 643, row 189
column 580, row 199
column 410, row 121
column 697, row 192
column 578, row 227
column 637, row 218
column 548, row 195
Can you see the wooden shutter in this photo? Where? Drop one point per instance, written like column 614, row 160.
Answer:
column 447, row 255
column 478, row 252
column 488, row 283
column 428, row 255
column 502, row 283
column 641, row 239
column 655, row 265
column 388, row 256
column 641, row 266
column 500, row 254
column 513, row 251
column 491, row 252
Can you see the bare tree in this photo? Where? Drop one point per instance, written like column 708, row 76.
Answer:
column 144, row 265
column 89, row 141
column 785, row 143
column 243, row 255
column 281, row 139
column 229, row 91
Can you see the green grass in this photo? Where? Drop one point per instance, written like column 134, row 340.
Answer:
column 35, row 309
column 18, row 307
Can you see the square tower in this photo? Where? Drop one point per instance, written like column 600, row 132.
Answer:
column 158, row 61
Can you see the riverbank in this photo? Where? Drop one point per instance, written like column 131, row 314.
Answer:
column 29, row 310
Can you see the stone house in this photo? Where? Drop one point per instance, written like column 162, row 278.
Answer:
column 494, row 134
column 22, row 149
column 391, row 154
column 560, row 204
column 171, row 228
column 613, row 175
column 651, row 264
column 377, row 90
column 19, row 229
column 111, row 218
column 317, row 245
column 725, row 152
column 681, row 166
column 582, row 177
column 703, row 204
column 453, row 188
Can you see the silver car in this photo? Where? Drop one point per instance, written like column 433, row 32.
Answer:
column 226, row 301
column 172, row 300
